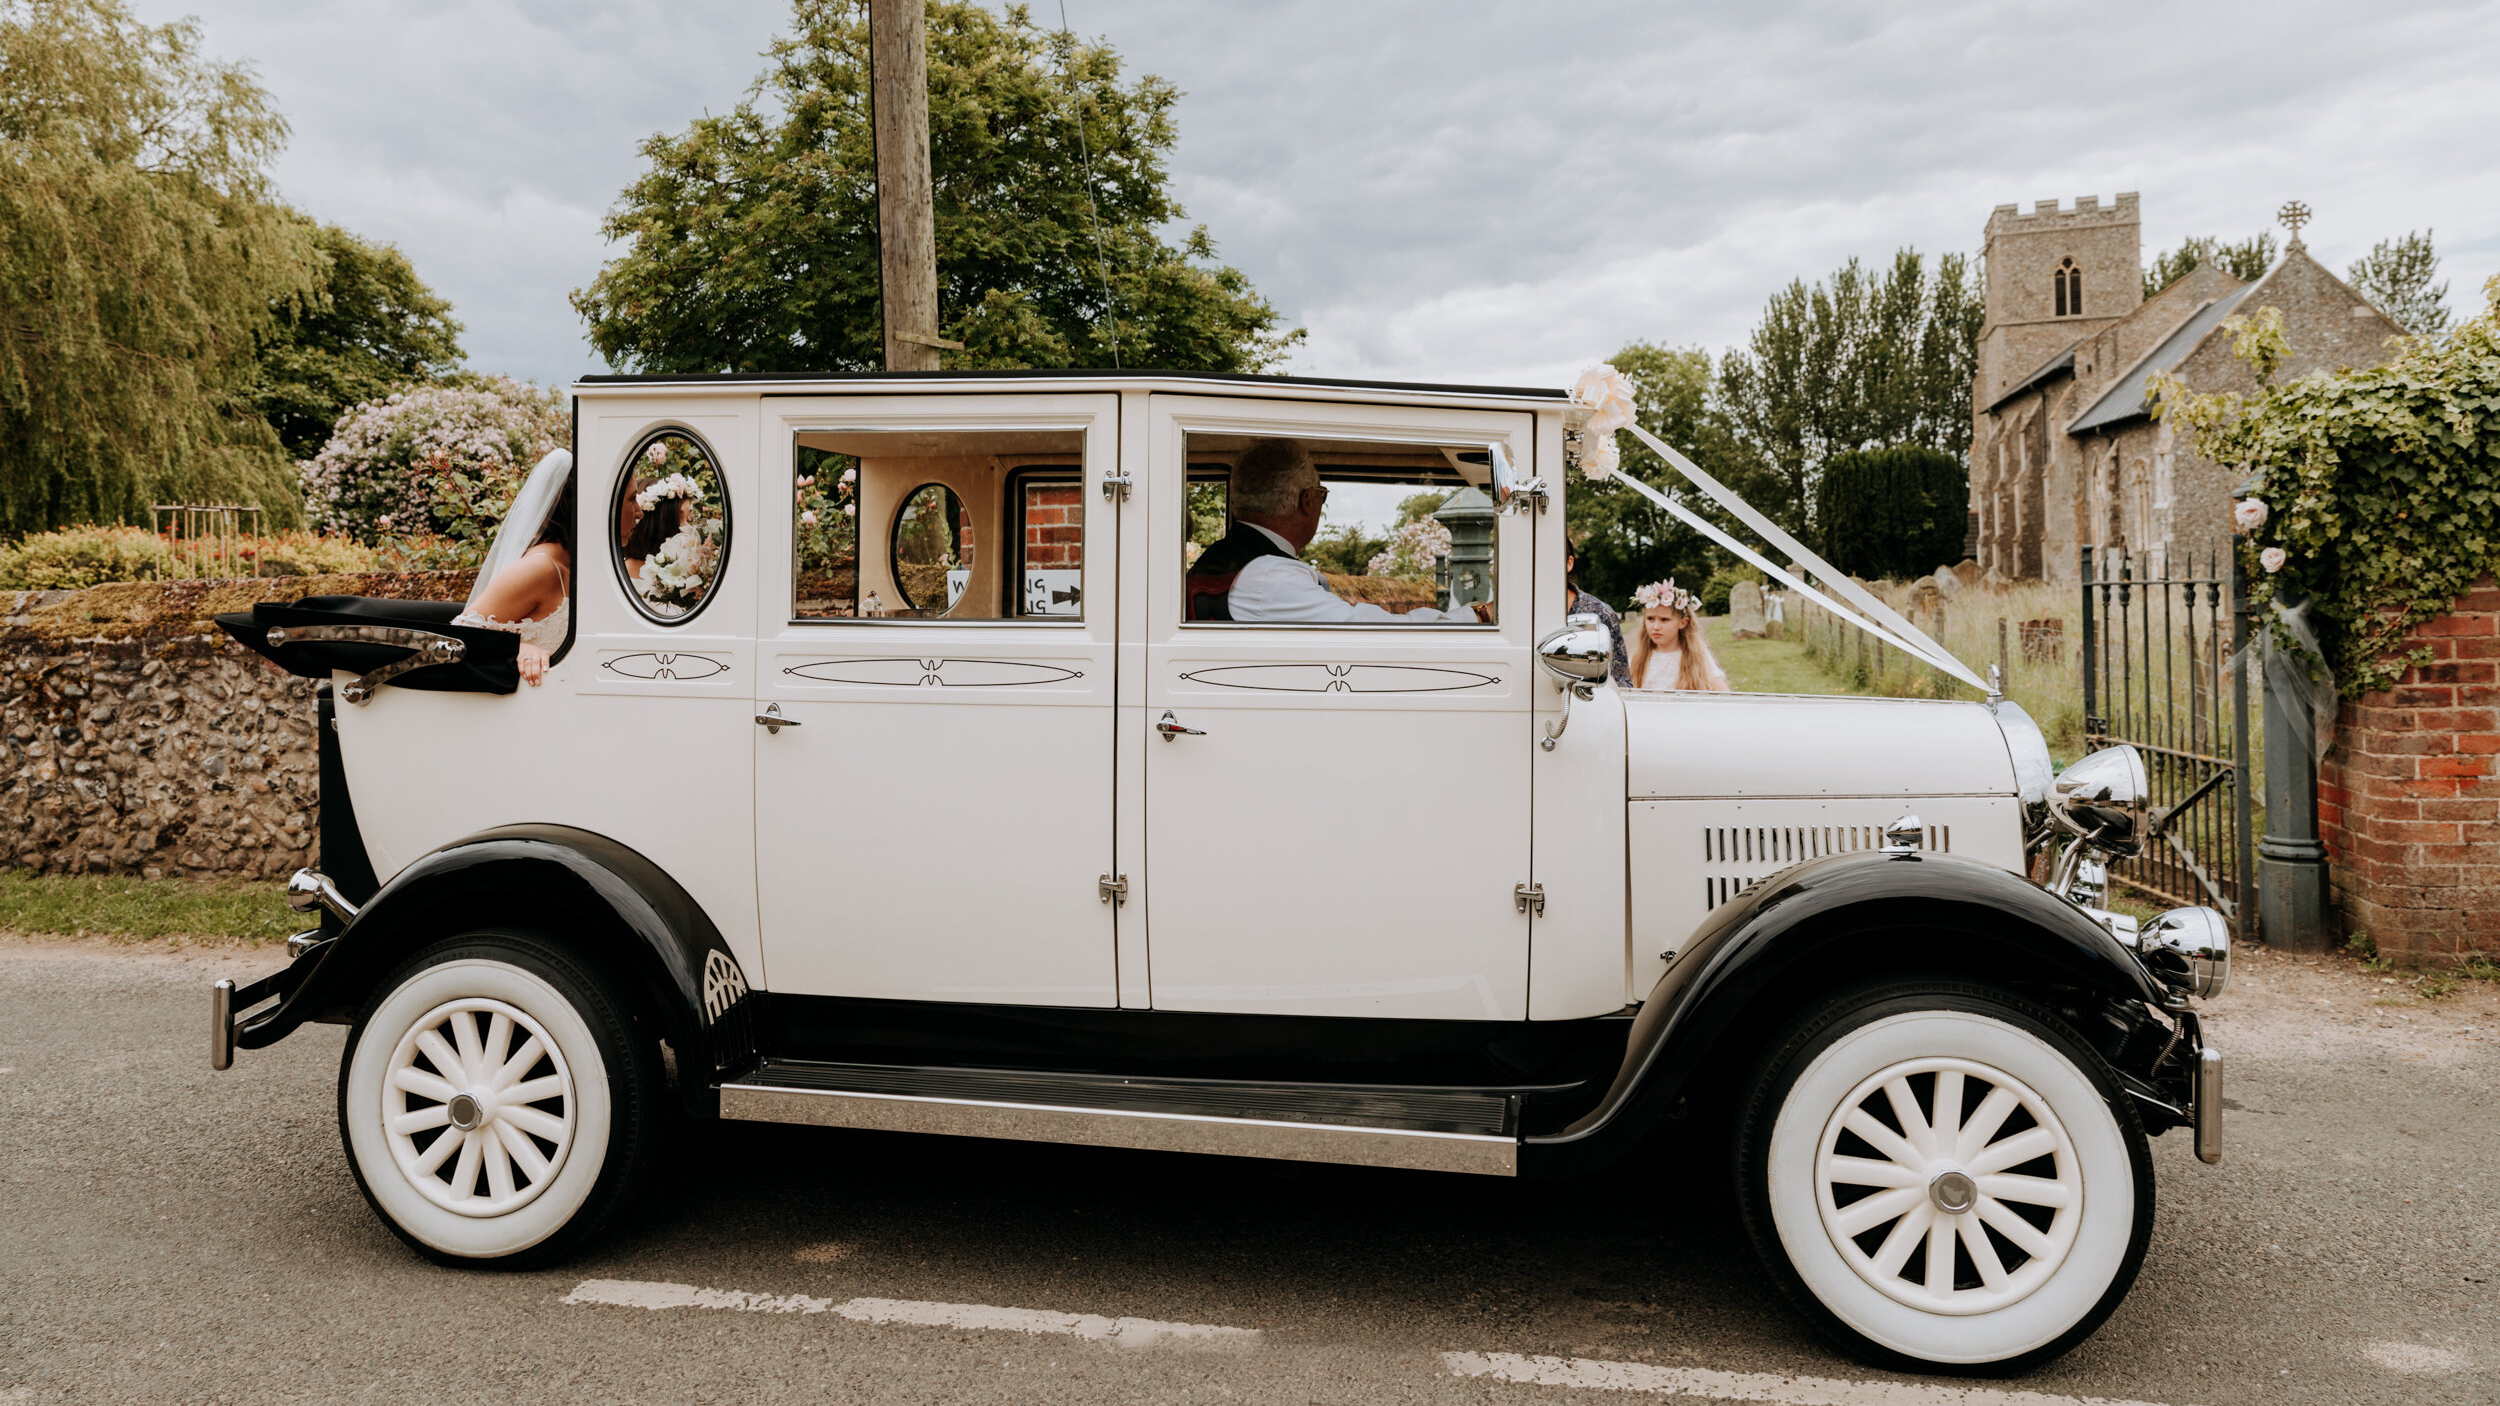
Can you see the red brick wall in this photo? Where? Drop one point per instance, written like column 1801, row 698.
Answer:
column 1054, row 526
column 2408, row 799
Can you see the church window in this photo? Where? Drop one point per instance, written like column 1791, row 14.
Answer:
column 2069, row 280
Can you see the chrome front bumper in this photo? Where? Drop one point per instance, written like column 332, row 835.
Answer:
column 231, row 1007
column 2208, row 1105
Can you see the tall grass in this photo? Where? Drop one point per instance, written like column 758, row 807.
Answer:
column 2046, row 680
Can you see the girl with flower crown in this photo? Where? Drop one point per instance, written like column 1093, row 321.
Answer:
column 1669, row 651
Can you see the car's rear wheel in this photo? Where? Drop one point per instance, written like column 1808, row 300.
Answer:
column 495, row 1103
column 1941, row 1174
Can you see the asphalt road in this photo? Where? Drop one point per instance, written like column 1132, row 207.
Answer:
column 172, row 1234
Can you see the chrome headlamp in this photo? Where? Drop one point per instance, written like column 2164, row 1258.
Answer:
column 2100, row 800
column 2187, row 949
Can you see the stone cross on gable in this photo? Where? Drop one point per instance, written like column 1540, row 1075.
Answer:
column 2293, row 215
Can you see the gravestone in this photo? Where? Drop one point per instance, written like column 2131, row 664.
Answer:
column 1744, row 610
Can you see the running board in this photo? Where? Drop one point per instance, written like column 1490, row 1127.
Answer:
column 1458, row 1130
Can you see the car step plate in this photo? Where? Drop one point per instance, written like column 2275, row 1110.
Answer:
column 1461, row 1130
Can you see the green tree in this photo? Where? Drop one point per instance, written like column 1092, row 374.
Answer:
column 2246, row 261
column 751, row 242
column 2396, row 277
column 1858, row 362
column 140, row 255
column 1896, row 512
column 372, row 325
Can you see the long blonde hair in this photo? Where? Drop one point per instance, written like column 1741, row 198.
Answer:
column 1697, row 670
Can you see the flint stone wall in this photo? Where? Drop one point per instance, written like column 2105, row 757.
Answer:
column 139, row 739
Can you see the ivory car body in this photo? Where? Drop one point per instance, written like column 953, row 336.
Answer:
column 905, row 767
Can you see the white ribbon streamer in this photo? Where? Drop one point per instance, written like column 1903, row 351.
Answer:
column 1892, row 630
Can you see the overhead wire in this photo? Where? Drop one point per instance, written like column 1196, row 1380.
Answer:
column 1093, row 216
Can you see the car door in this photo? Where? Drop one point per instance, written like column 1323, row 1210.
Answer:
column 933, row 764
column 1336, row 814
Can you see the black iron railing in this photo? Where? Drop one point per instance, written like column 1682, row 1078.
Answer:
column 2159, row 646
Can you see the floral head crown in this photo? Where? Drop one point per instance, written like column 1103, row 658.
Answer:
column 673, row 486
column 1667, row 593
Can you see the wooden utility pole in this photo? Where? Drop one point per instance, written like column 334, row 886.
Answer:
column 898, row 86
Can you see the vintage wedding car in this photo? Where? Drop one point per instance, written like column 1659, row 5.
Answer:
column 891, row 776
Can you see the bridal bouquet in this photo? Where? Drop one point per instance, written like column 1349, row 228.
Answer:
column 675, row 577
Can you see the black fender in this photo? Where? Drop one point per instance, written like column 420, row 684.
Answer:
column 1910, row 910
column 577, row 886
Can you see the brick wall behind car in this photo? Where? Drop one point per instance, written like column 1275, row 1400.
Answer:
column 2409, row 797
column 136, row 738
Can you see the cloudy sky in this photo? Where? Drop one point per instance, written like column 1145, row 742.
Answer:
column 1498, row 192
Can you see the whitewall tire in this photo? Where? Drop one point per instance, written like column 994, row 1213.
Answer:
column 495, row 1105
column 1942, row 1175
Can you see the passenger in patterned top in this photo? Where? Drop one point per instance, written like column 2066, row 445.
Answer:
column 1670, row 651
column 1579, row 602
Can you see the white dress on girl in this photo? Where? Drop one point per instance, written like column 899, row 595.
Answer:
column 1667, row 665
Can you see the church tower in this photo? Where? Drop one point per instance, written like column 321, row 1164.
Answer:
column 2054, row 276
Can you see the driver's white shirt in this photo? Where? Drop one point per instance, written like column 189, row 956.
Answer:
column 1288, row 590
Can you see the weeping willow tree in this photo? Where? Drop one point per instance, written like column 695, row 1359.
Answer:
column 140, row 258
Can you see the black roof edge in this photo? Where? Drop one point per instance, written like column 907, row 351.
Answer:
column 1105, row 372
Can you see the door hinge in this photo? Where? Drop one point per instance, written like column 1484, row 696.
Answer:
column 1529, row 898
column 1115, row 487
column 1114, row 889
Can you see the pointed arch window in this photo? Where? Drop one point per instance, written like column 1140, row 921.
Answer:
column 2069, row 280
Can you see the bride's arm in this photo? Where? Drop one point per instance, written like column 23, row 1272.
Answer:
column 526, row 590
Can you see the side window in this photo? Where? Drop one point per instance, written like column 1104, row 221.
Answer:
column 938, row 525
column 671, row 522
column 1322, row 531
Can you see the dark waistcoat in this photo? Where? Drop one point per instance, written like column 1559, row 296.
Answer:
column 1211, row 579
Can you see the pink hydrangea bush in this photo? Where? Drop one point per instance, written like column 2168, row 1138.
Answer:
column 432, row 460
column 1412, row 550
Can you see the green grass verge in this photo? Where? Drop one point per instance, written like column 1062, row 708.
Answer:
column 1768, row 666
column 130, row 909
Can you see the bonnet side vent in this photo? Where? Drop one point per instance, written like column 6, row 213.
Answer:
column 1736, row 857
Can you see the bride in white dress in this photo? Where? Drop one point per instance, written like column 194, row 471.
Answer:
column 533, row 597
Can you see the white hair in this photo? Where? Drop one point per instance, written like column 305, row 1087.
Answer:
column 1271, row 476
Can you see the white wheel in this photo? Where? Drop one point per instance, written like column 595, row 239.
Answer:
column 478, row 1126
column 1946, row 1177
column 480, row 1101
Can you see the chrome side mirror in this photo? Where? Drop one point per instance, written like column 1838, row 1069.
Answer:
column 2188, row 948
column 2100, row 799
column 1579, row 655
column 1504, row 480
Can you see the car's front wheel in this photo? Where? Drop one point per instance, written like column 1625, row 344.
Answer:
column 1941, row 1174
column 494, row 1102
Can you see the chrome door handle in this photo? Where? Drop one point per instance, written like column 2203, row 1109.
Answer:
column 1171, row 727
column 772, row 721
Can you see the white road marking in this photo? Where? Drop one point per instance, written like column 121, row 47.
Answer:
column 1591, row 1374
column 2414, row 1357
column 1119, row 1332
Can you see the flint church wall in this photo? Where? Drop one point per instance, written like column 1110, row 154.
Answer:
column 136, row 738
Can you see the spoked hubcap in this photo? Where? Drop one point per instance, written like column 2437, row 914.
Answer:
column 1949, row 1185
column 479, row 1107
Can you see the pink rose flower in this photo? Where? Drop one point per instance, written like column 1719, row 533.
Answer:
column 808, row 518
column 2250, row 514
column 2272, row 559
